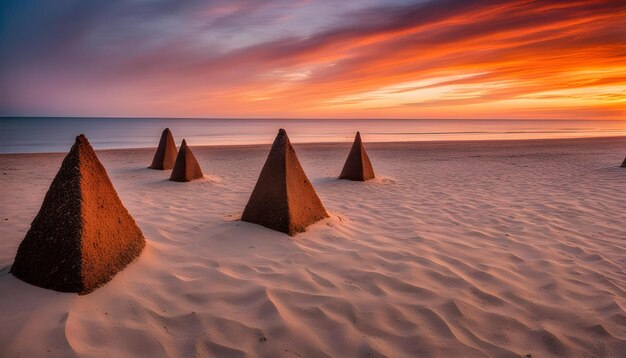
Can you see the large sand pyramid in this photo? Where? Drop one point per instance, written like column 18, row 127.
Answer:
column 358, row 166
column 165, row 155
column 186, row 167
column 82, row 235
column 283, row 198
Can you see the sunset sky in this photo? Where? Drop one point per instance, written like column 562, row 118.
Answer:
column 314, row 59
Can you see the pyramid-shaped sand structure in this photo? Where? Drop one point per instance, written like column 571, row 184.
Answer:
column 82, row 235
column 358, row 166
column 165, row 155
column 624, row 163
column 283, row 198
column 186, row 167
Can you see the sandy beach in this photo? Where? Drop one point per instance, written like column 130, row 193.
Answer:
column 455, row 249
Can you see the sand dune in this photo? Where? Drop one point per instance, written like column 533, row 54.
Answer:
column 466, row 249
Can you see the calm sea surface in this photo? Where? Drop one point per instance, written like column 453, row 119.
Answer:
column 37, row 134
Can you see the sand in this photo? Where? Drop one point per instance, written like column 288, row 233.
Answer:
column 466, row 249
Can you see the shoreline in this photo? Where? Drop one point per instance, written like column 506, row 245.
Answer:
column 347, row 143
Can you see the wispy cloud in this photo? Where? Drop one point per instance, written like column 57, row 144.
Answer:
column 450, row 58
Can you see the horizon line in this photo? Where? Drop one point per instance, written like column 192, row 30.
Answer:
column 320, row 118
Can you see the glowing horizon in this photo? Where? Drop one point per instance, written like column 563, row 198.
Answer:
column 278, row 59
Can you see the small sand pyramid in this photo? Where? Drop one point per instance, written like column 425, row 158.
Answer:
column 623, row 163
column 283, row 198
column 358, row 166
column 82, row 235
column 165, row 155
column 186, row 167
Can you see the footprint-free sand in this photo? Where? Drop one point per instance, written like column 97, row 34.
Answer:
column 456, row 249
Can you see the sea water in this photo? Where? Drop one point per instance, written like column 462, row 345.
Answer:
column 47, row 134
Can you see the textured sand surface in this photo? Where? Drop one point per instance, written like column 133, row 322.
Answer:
column 455, row 249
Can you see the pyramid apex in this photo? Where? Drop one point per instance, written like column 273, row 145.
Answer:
column 183, row 144
column 281, row 139
column 81, row 139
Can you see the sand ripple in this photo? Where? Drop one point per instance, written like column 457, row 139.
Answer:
column 458, row 249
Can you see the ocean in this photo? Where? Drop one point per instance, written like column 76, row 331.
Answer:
column 47, row 134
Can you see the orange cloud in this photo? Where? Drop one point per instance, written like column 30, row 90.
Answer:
column 448, row 59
